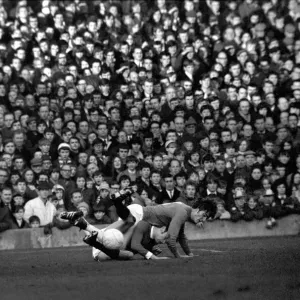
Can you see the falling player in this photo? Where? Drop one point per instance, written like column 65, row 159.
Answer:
column 171, row 215
column 139, row 237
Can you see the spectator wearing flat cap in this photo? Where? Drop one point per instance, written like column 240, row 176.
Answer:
column 190, row 127
column 36, row 165
column 104, row 204
column 41, row 206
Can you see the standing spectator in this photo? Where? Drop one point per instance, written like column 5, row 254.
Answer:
column 237, row 211
column 5, row 217
column 41, row 206
column 169, row 193
column 18, row 221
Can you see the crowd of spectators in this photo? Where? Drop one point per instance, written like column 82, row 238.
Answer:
column 183, row 100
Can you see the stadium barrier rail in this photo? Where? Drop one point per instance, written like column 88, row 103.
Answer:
column 36, row 239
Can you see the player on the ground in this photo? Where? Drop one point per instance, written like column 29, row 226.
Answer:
column 172, row 215
column 139, row 238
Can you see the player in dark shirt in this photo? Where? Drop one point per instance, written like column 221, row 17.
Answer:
column 139, row 238
column 172, row 215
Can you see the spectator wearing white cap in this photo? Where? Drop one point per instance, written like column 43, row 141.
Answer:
column 64, row 151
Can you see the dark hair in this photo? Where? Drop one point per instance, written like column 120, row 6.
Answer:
column 75, row 191
column 208, row 206
column 124, row 177
column 34, row 219
column 16, row 208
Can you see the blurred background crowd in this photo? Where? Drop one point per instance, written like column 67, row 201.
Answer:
column 182, row 100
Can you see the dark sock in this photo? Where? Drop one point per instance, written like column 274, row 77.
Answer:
column 81, row 224
column 92, row 241
column 122, row 210
column 113, row 254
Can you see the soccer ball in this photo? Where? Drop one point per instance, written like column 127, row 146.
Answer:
column 112, row 239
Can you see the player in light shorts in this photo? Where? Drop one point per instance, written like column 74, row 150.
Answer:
column 137, row 211
column 171, row 215
column 139, row 241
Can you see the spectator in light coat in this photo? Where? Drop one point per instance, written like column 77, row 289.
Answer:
column 41, row 206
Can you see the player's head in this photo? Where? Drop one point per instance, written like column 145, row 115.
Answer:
column 203, row 210
column 160, row 235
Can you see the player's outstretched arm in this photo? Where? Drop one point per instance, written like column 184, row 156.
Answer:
column 175, row 233
column 136, row 244
column 184, row 242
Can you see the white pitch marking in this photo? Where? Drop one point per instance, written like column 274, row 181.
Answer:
column 208, row 250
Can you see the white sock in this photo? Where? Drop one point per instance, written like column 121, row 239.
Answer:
column 90, row 228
